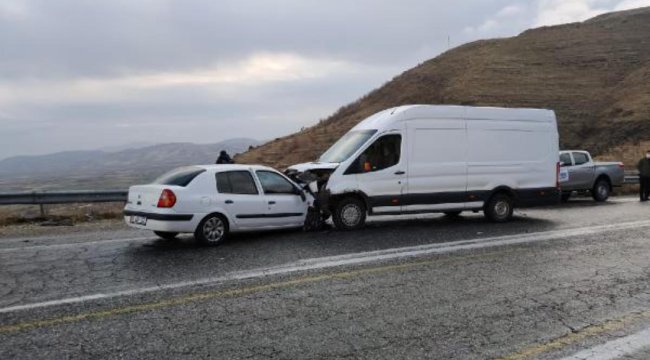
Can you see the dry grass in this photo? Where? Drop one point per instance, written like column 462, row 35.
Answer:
column 23, row 214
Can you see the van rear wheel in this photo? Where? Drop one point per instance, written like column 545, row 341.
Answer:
column 349, row 214
column 499, row 208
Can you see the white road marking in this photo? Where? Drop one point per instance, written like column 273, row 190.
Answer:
column 347, row 260
column 72, row 245
column 615, row 349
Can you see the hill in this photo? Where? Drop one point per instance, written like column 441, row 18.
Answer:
column 104, row 169
column 594, row 74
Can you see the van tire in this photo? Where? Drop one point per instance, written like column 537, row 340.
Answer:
column 601, row 190
column 166, row 235
column 212, row 230
column 349, row 214
column 499, row 208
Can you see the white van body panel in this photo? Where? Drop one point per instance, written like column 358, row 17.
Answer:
column 454, row 158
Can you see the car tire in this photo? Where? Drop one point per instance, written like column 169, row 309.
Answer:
column 166, row 235
column 601, row 190
column 566, row 196
column 452, row 214
column 349, row 214
column 499, row 208
column 212, row 230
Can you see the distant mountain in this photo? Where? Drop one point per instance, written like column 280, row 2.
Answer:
column 594, row 74
column 89, row 169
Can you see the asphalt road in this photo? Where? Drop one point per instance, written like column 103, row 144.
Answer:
column 570, row 282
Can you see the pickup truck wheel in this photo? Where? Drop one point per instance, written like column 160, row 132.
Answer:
column 349, row 214
column 601, row 190
column 166, row 235
column 499, row 208
column 212, row 230
column 566, row 196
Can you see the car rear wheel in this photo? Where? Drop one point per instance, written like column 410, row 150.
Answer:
column 212, row 230
column 601, row 190
column 499, row 208
column 349, row 214
column 166, row 235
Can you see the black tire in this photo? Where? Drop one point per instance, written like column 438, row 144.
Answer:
column 566, row 196
column 601, row 190
column 349, row 214
column 499, row 208
column 166, row 235
column 452, row 214
column 212, row 230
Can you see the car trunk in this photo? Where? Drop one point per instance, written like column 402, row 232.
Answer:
column 144, row 197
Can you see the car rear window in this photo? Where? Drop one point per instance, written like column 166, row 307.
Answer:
column 179, row 177
column 236, row 182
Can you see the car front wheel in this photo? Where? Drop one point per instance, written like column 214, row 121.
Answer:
column 349, row 214
column 212, row 230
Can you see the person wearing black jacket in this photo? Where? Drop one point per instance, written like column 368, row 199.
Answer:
column 644, row 177
column 224, row 158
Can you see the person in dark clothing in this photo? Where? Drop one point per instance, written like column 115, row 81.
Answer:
column 644, row 177
column 224, row 158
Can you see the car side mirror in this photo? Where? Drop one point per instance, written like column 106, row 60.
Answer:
column 300, row 193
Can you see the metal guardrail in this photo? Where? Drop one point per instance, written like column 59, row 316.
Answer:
column 63, row 197
column 631, row 179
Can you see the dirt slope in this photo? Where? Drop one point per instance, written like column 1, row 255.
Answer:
column 595, row 75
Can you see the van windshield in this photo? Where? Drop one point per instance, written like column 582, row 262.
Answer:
column 346, row 146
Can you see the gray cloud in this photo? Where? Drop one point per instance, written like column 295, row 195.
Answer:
column 87, row 74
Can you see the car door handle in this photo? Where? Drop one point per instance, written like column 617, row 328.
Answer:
column 271, row 202
column 400, row 172
column 229, row 202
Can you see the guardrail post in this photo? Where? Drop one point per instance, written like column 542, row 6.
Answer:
column 42, row 207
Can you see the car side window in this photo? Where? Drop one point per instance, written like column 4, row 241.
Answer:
column 580, row 158
column 382, row 154
column 565, row 159
column 236, row 182
column 273, row 183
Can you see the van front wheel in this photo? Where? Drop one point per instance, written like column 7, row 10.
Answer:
column 499, row 208
column 349, row 214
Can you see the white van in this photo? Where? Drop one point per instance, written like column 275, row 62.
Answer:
column 423, row 158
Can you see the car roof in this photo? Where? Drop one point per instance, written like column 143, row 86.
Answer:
column 234, row 167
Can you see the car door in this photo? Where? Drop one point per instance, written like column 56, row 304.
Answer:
column 582, row 171
column 239, row 196
column 381, row 172
column 284, row 204
column 566, row 163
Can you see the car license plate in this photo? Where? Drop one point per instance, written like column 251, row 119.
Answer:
column 138, row 220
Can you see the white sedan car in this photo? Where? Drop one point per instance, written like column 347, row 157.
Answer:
column 214, row 200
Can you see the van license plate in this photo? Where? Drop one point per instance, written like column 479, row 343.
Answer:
column 139, row 220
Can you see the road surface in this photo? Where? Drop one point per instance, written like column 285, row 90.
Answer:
column 570, row 282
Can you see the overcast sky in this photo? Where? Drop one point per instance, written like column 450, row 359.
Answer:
column 90, row 74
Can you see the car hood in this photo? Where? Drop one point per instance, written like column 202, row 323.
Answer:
column 301, row 168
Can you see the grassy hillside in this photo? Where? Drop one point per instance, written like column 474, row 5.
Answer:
column 595, row 75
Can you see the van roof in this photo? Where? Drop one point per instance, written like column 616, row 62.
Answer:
column 406, row 112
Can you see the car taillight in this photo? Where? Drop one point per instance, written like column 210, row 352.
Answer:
column 167, row 199
column 621, row 165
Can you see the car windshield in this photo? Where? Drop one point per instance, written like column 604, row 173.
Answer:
column 179, row 177
column 346, row 146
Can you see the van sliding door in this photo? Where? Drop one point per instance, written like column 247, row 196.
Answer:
column 437, row 167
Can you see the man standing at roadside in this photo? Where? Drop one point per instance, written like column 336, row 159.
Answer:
column 644, row 177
